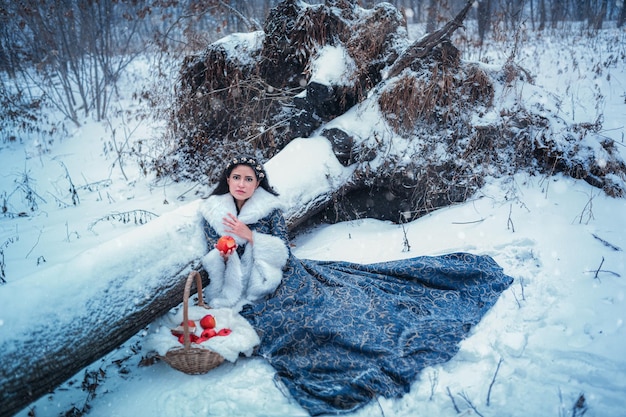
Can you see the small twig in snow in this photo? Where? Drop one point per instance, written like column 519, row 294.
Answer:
column 608, row 272
column 138, row 217
column 95, row 186
column 587, row 210
column 605, row 243
column 453, row 402
column 434, row 380
column 405, row 242
column 509, row 224
column 598, row 270
column 493, row 380
column 2, row 273
column 35, row 245
column 73, row 192
column 580, row 407
column 68, row 235
column 519, row 305
column 3, row 246
column 60, row 203
column 467, row 400
column 470, row 222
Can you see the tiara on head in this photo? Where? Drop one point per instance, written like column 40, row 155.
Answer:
column 251, row 162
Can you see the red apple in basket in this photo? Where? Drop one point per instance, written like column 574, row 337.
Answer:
column 208, row 333
column 190, row 323
column 225, row 243
column 207, row 322
column 193, row 338
column 179, row 330
column 224, row 332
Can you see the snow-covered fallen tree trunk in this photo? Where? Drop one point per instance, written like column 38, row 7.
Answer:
column 312, row 186
column 115, row 290
column 119, row 287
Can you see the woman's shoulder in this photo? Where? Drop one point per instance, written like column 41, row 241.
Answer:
column 217, row 204
column 276, row 212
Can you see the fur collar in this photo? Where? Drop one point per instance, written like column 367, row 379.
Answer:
column 216, row 207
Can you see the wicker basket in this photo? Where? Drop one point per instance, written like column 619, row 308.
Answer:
column 187, row 359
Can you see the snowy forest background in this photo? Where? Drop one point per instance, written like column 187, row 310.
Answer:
column 101, row 77
column 70, row 56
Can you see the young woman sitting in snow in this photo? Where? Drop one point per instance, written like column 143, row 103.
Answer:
column 244, row 206
column 337, row 333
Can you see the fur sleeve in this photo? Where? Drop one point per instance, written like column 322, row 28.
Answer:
column 270, row 255
column 227, row 280
column 214, row 264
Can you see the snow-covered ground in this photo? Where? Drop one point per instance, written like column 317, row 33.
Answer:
column 557, row 333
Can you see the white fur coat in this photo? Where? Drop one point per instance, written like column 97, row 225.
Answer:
column 259, row 270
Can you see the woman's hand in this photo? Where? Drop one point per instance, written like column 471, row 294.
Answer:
column 234, row 226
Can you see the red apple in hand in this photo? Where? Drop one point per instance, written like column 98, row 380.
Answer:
column 207, row 322
column 225, row 243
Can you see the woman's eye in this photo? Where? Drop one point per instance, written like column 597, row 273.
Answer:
column 249, row 179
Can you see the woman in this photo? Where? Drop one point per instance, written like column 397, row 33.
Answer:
column 244, row 206
column 338, row 333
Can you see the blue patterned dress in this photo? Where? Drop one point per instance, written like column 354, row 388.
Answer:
column 340, row 334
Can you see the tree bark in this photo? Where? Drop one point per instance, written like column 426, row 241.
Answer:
column 557, row 12
column 598, row 19
column 421, row 47
column 542, row 14
column 431, row 19
column 622, row 15
column 483, row 18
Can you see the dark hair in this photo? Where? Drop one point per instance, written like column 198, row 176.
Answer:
column 259, row 172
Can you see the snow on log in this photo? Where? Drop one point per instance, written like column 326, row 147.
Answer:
column 84, row 309
column 313, row 184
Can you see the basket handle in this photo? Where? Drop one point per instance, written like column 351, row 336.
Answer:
column 192, row 275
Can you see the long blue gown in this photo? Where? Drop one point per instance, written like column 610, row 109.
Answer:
column 340, row 334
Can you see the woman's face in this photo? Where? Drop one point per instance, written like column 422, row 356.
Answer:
column 242, row 183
